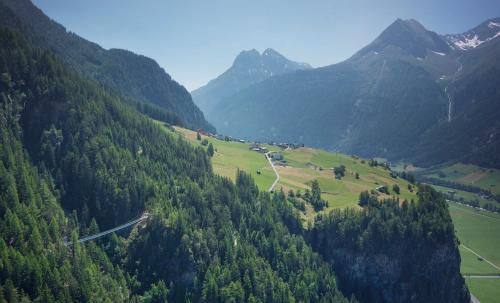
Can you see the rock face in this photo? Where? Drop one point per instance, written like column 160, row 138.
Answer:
column 396, row 280
column 248, row 68
column 410, row 95
column 473, row 38
column 135, row 77
column 409, row 36
column 392, row 253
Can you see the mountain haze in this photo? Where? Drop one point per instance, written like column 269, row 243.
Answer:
column 398, row 98
column 248, row 68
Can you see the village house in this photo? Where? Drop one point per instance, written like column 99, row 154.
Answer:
column 276, row 156
column 257, row 148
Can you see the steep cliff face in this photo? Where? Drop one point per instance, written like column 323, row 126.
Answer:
column 398, row 278
column 392, row 253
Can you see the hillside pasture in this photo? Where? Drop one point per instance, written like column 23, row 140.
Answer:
column 301, row 167
column 468, row 174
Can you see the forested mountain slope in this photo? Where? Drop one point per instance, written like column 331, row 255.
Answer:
column 135, row 77
column 207, row 239
column 248, row 68
column 402, row 95
column 75, row 158
column 69, row 143
column 34, row 263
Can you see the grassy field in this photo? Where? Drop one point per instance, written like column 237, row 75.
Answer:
column 306, row 164
column 480, row 231
column 231, row 156
column 401, row 166
column 467, row 196
column 485, row 290
column 303, row 165
column 487, row 178
column 472, row 265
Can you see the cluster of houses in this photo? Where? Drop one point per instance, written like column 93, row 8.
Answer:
column 286, row 145
column 257, row 148
column 219, row 136
column 254, row 146
column 275, row 156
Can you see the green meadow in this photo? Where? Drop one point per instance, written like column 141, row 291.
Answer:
column 478, row 230
column 303, row 165
column 467, row 196
column 307, row 164
column 485, row 290
column 486, row 178
column 230, row 156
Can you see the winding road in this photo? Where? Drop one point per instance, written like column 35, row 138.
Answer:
column 275, row 171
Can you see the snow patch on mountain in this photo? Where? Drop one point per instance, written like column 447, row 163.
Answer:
column 466, row 43
column 438, row 53
column 493, row 24
column 469, row 40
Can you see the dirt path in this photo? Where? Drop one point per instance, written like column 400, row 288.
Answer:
column 275, row 171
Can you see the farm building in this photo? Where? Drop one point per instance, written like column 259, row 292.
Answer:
column 276, row 156
column 257, row 148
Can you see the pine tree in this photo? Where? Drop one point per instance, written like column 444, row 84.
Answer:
column 210, row 150
column 396, row 189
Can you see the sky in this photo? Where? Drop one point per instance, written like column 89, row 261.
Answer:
column 195, row 41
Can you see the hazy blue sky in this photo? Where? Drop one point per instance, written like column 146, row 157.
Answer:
column 197, row 40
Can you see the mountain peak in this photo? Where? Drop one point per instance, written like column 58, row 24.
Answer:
column 247, row 57
column 270, row 60
column 415, row 26
column 410, row 36
column 409, row 27
column 248, row 68
column 484, row 32
column 271, row 52
column 409, row 22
